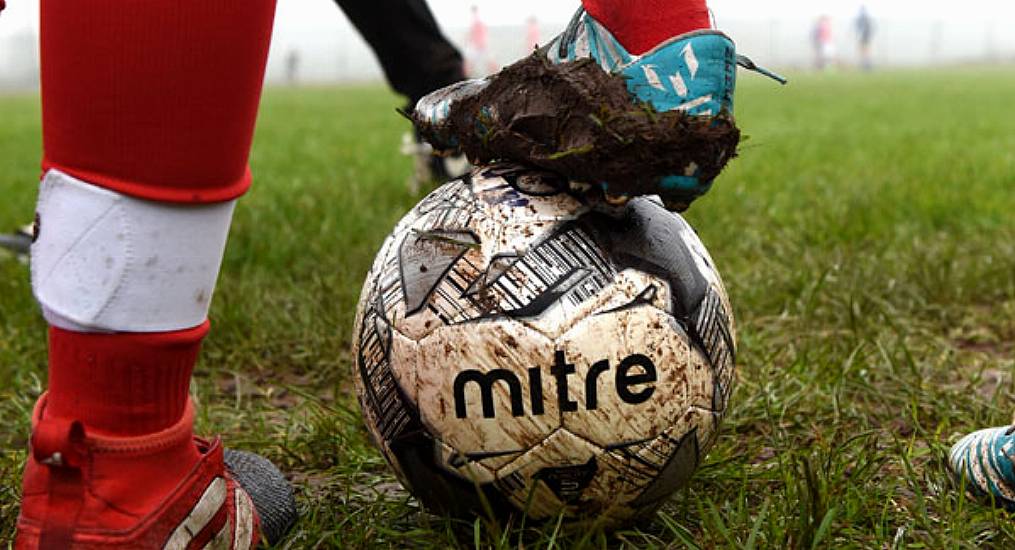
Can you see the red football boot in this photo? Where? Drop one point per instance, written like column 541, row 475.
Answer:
column 169, row 490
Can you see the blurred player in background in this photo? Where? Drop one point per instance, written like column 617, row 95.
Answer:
column 824, row 43
column 864, row 26
column 292, row 67
column 477, row 48
column 148, row 116
column 531, row 34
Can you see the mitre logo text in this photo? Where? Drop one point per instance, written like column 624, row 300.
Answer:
column 634, row 381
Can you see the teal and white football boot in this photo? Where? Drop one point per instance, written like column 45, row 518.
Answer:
column 982, row 461
column 693, row 73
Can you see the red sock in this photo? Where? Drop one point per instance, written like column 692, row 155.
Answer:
column 640, row 25
column 154, row 99
column 121, row 384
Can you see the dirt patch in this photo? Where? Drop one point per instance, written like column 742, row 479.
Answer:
column 992, row 380
column 579, row 121
column 390, row 489
column 993, row 348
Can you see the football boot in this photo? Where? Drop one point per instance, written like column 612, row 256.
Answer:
column 429, row 169
column 166, row 490
column 19, row 242
column 982, row 462
column 694, row 73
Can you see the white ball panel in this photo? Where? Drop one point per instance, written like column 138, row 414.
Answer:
column 405, row 352
column 627, row 287
column 627, row 471
column 463, row 366
column 502, row 199
column 676, row 379
column 560, row 449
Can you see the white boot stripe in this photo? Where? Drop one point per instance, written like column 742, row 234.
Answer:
column 978, row 475
column 679, row 85
column 207, row 506
column 652, row 77
column 221, row 539
column 688, row 105
column 995, row 470
column 244, row 521
column 691, row 61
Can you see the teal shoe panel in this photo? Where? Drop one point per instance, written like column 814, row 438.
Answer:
column 983, row 461
column 695, row 73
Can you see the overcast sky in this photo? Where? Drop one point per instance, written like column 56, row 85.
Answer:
column 910, row 32
column 455, row 13
column 295, row 14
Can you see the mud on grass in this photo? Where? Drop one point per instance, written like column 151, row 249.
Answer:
column 870, row 266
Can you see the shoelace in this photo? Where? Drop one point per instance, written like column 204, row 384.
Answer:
column 570, row 33
column 746, row 63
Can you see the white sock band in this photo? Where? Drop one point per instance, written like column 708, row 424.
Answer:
column 108, row 262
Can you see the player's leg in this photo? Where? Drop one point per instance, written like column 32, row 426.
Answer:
column 148, row 114
column 417, row 59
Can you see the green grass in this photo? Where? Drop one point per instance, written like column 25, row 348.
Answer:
column 867, row 238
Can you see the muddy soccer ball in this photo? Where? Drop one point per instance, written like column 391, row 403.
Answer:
column 512, row 343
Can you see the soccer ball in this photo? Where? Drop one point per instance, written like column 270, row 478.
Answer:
column 515, row 346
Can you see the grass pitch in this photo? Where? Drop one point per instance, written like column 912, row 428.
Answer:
column 867, row 238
